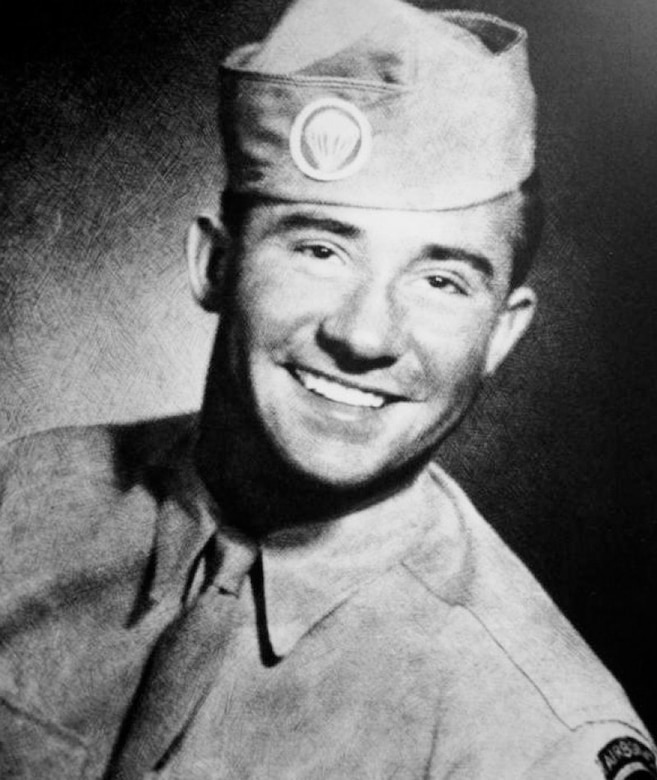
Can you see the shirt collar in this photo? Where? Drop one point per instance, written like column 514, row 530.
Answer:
column 187, row 516
column 310, row 570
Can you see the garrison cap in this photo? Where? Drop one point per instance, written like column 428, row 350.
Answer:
column 377, row 103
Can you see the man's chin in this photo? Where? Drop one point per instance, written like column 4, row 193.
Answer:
column 362, row 477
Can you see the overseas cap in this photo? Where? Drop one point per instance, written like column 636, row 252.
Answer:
column 377, row 103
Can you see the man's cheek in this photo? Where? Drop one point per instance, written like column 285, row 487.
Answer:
column 450, row 356
column 272, row 320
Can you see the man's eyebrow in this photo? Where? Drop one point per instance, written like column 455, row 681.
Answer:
column 477, row 261
column 301, row 221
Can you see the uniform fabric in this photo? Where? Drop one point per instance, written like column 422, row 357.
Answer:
column 403, row 641
column 182, row 666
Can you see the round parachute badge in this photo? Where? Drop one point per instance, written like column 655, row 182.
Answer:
column 330, row 139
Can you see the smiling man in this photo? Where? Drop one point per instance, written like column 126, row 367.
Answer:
column 361, row 335
column 285, row 585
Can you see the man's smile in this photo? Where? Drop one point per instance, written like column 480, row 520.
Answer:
column 339, row 391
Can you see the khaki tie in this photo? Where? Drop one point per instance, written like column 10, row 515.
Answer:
column 182, row 667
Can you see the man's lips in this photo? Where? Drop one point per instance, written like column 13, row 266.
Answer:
column 341, row 391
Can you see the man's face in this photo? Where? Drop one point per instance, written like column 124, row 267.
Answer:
column 359, row 337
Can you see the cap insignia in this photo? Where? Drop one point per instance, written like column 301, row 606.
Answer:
column 330, row 139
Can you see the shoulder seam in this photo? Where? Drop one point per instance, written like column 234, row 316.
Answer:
column 494, row 639
column 520, row 669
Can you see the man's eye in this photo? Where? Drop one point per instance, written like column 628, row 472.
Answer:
column 446, row 284
column 316, row 251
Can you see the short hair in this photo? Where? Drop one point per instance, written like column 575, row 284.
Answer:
column 530, row 230
column 235, row 208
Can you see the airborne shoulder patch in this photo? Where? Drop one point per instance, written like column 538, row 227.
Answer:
column 625, row 758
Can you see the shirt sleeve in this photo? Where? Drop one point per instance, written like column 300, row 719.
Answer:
column 606, row 750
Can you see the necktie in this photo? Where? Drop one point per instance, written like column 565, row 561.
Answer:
column 182, row 666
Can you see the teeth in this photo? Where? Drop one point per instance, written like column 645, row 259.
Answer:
column 334, row 391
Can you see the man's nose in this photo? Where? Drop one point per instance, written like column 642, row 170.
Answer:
column 365, row 331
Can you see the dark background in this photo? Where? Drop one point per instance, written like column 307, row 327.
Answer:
column 109, row 148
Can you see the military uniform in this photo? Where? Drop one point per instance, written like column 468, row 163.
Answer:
column 413, row 644
column 401, row 639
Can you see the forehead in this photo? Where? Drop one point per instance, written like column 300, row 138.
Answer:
column 488, row 230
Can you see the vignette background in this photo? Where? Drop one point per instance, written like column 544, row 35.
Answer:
column 109, row 148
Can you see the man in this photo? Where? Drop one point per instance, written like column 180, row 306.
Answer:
column 287, row 587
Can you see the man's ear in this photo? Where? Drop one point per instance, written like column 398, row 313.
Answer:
column 512, row 323
column 207, row 247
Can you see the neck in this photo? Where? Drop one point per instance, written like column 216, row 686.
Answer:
column 258, row 492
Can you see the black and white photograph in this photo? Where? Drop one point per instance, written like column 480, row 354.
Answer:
column 328, row 390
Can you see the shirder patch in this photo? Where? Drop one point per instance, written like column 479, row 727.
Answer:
column 330, row 139
column 625, row 758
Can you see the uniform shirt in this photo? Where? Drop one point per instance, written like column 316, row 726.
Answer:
column 404, row 640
